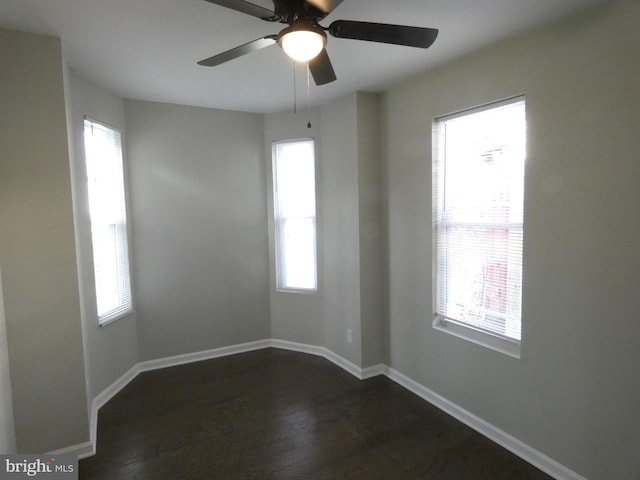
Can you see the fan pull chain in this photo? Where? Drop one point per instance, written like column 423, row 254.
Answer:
column 295, row 96
column 308, row 96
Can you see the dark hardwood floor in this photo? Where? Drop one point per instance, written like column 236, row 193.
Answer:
column 274, row 414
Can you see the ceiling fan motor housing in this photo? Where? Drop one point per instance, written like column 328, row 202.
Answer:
column 302, row 26
column 291, row 11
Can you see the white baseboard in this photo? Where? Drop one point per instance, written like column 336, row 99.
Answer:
column 341, row 362
column 82, row 450
column 374, row 371
column 297, row 347
column 203, row 355
column 102, row 398
column 109, row 392
column 524, row 451
column 321, row 352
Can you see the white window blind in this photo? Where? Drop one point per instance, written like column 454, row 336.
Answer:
column 295, row 214
column 107, row 207
column 479, row 162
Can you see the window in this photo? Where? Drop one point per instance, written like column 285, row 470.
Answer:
column 479, row 158
column 295, row 215
column 107, row 208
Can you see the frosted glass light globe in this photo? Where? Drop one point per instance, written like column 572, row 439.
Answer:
column 302, row 45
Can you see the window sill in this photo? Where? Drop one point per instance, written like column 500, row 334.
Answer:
column 297, row 290
column 503, row 345
column 103, row 322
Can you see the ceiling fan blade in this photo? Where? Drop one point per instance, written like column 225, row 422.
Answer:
column 246, row 7
column 326, row 6
column 321, row 68
column 223, row 57
column 384, row 33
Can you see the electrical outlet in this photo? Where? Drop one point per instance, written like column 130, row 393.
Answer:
column 349, row 335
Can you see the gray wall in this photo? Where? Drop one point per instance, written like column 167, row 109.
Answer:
column 37, row 248
column 373, row 318
column 199, row 216
column 7, row 430
column 295, row 317
column 339, row 190
column 350, row 288
column 574, row 393
column 110, row 350
column 352, row 227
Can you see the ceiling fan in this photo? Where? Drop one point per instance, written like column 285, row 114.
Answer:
column 305, row 39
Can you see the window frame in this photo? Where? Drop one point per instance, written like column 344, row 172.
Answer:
column 121, row 228
column 279, row 220
column 458, row 328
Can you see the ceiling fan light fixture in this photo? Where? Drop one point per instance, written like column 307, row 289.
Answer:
column 302, row 42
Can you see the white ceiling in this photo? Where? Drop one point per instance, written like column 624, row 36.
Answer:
column 148, row 49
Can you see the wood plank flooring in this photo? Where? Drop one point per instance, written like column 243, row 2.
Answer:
column 274, row 414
